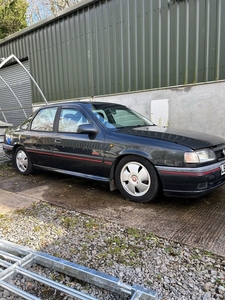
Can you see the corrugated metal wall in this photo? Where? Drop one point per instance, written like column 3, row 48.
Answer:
column 115, row 46
column 15, row 104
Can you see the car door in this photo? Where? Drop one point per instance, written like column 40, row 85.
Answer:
column 38, row 141
column 77, row 152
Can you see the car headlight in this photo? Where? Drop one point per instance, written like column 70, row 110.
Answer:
column 200, row 156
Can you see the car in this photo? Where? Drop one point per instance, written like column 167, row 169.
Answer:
column 110, row 142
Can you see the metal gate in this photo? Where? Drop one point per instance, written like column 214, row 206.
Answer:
column 17, row 259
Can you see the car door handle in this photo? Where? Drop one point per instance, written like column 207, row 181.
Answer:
column 58, row 140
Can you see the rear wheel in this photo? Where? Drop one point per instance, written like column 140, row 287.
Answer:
column 22, row 161
column 137, row 179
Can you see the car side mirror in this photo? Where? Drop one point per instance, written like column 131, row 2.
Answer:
column 87, row 128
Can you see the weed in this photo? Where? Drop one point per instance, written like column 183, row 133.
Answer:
column 158, row 277
column 172, row 251
column 92, row 236
column 208, row 253
column 152, row 237
column 69, row 222
column 37, row 228
column 134, row 232
column 115, row 240
column 91, row 223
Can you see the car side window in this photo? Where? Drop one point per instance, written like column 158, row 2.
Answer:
column 44, row 119
column 70, row 119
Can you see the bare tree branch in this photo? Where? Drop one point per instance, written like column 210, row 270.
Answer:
column 41, row 9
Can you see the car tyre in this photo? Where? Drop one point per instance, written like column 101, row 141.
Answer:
column 22, row 161
column 137, row 179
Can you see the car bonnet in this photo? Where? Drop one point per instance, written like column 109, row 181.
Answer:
column 192, row 139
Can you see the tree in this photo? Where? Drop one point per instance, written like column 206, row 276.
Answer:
column 12, row 16
column 41, row 9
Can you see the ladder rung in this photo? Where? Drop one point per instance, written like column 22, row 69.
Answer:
column 13, row 252
column 17, row 291
column 54, row 284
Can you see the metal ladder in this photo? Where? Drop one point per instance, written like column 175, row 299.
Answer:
column 17, row 259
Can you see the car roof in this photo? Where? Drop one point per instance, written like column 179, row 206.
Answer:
column 97, row 104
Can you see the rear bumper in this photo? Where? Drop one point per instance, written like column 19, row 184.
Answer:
column 191, row 182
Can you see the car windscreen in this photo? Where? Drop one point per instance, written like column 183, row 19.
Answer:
column 118, row 117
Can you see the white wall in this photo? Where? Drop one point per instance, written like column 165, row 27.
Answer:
column 199, row 107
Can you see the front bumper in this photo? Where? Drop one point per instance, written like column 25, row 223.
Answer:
column 191, row 182
column 8, row 149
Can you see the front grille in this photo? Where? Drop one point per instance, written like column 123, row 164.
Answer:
column 220, row 152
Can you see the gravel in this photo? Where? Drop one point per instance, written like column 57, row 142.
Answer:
column 175, row 271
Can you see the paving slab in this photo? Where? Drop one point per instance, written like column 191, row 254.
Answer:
column 11, row 201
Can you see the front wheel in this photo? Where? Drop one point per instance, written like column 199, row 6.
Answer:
column 22, row 161
column 137, row 179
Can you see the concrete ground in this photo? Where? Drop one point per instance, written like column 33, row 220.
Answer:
column 196, row 222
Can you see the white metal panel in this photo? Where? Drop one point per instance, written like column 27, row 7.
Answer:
column 160, row 112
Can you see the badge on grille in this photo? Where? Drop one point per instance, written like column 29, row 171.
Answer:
column 223, row 152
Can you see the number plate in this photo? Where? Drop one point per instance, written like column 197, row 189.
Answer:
column 222, row 167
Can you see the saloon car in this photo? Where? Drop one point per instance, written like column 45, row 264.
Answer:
column 112, row 143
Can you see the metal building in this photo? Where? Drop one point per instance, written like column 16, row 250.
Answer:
column 100, row 47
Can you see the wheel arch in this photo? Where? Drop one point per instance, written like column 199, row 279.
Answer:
column 22, row 163
column 112, row 182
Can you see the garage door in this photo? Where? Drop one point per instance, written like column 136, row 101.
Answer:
column 15, row 94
